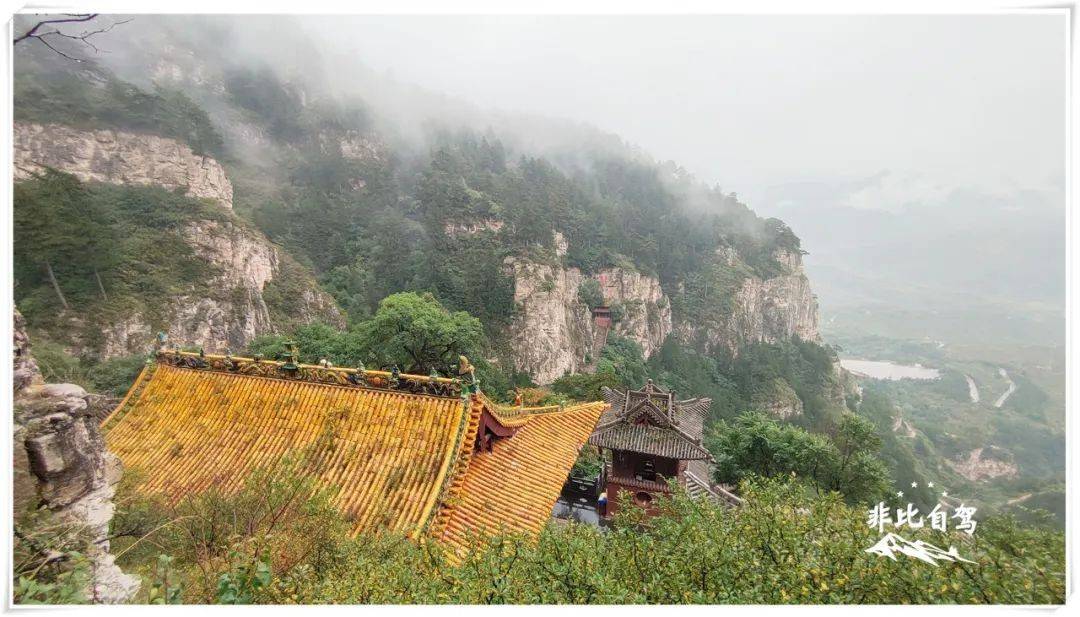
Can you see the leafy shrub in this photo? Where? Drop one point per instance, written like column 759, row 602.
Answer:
column 618, row 312
column 781, row 546
column 222, row 546
column 115, row 376
column 585, row 386
column 589, row 293
column 49, row 562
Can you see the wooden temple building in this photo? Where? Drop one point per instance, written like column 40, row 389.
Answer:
column 404, row 453
column 652, row 439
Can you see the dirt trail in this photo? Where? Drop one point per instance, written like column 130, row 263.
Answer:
column 1023, row 497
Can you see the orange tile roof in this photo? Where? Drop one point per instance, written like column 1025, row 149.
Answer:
column 401, row 461
column 389, row 452
column 514, row 487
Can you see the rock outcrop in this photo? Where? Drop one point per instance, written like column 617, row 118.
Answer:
column 986, row 464
column 355, row 146
column 553, row 331
column 118, row 157
column 646, row 317
column 764, row 310
column 235, row 309
column 61, row 464
column 453, row 230
column 778, row 399
column 246, row 264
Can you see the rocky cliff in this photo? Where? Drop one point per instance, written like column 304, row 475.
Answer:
column 255, row 288
column 554, row 332
column 764, row 310
column 238, row 310
column 117, row 157
column 61, row 465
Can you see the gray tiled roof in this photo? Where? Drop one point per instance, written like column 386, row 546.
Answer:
column 648, row 440
column 651, row 421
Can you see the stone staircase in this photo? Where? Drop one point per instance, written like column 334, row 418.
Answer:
column 699, row 488
column 600, row 335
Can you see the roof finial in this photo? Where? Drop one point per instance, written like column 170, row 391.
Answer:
column 291, row 356
column 468, row 373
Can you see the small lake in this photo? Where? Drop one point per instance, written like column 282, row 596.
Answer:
column 876, row 369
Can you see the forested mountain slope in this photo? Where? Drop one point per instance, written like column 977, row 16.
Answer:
column 517, row 231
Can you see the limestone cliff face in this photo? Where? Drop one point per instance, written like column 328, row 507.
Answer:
column 237, row 307
column 61, row 464
column 237, row 312
column 358, row 147
column 553, row 331
column 765, row 310
column 646, row 310
column 119, row 158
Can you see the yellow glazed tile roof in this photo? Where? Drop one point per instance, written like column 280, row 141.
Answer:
column 401, row 460
column 388, row 451
column 514, row 487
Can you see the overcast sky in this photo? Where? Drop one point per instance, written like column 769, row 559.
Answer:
column 751, row 102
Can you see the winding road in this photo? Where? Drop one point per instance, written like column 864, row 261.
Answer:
column 973, row 390
column 1012, row 388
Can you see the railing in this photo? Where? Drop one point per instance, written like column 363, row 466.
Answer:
column 632, row 482
column 727, row 496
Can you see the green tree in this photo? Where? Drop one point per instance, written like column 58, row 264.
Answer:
column 756, row 445
column 589, row 293
column 622, row 357
column 413, row 331
column 50, row 223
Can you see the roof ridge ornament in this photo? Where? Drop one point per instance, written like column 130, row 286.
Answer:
column 360, row 377
column 467, row 375
column 291, row 356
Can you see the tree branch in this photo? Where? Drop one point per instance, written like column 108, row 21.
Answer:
column 32, row 32
column 83, row 38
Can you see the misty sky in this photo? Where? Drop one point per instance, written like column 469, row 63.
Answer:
column 751, row 102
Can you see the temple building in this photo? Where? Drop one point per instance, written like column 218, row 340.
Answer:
column 404, row 453
column 652, row 439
